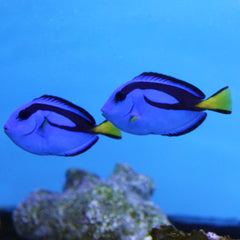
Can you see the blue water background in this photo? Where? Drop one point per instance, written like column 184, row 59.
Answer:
column 83, row 50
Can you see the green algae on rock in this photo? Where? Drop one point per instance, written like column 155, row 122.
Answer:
column 92, row 208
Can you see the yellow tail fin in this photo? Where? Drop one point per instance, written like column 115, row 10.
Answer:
column 108, row 129
column 219, row 102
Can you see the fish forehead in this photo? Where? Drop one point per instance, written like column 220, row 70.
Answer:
column 13, row 117
column 111, row 109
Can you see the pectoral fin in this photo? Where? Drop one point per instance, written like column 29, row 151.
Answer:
column 133, row 118
column 43, row 125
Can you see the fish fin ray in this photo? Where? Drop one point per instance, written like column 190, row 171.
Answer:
column 108, row 129
column 187, row 127
column 218, row 102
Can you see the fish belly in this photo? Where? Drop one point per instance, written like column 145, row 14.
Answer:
column 65, row 143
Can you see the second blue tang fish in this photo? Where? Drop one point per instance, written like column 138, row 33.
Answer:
column 153, row 103
column 51, row 125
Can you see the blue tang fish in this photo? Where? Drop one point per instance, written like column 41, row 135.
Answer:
column 153, row 103
column 51, row 125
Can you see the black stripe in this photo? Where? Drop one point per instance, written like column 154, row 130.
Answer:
column 221, row 111
column 186, row 99
column 70, row 104
column 82, row 124
column 162, row 77
column 176, row 106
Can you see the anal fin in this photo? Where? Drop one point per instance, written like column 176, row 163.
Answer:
column 81, row 149
column 187, row 127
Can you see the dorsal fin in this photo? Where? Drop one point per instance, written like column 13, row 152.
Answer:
column 60, row 102
column 164, row 79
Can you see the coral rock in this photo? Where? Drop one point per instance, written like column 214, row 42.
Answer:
column 92, row 208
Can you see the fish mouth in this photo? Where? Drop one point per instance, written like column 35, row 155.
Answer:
column 6, row 129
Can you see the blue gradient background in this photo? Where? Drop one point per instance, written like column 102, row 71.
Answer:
column 83, row 50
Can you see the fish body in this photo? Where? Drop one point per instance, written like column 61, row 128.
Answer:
column 51, row 125
column 153, row 103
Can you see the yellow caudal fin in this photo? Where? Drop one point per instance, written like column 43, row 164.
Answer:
column 108, row 129
column 219, row 102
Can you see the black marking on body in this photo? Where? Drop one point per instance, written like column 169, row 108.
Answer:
column 186, row 100
column 51, row 98
column 120, row 96
column 81, row 124
column 176, row 106
column 24, row 114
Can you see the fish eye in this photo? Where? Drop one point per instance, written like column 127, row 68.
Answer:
column 24, row 114
column 120, row 96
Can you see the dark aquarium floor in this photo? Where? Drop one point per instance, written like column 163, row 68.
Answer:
column 7, row 231
column 222, row 227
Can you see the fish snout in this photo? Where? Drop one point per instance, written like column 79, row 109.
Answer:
column 104, row 111
column 103, row 114
column 6, row 129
